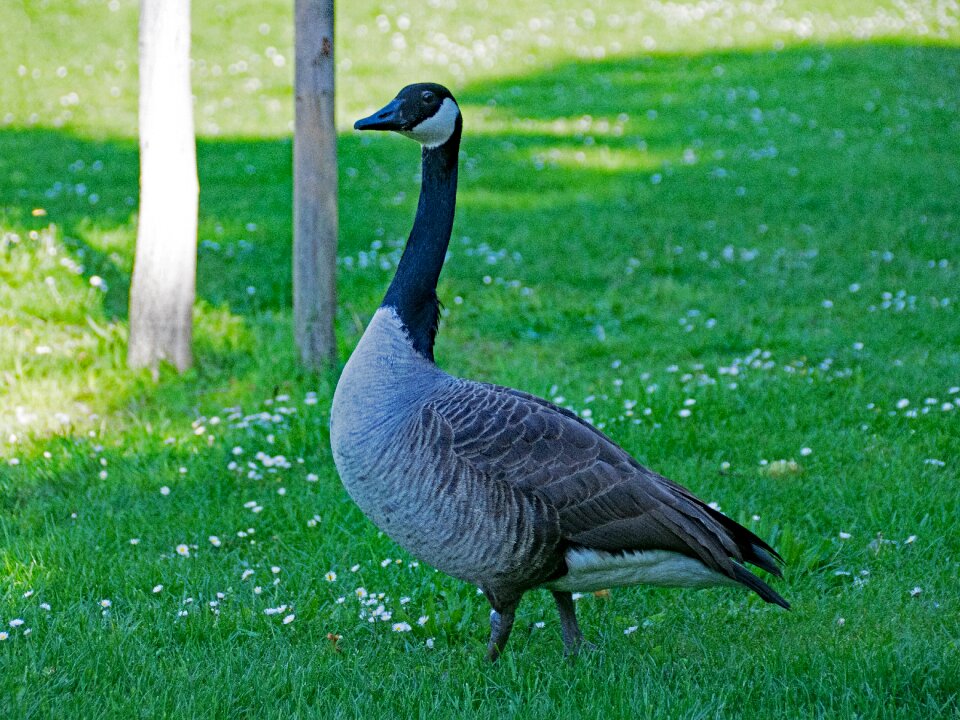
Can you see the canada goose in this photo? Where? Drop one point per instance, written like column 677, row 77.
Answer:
column 492, row 485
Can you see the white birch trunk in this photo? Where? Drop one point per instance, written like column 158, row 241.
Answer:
column 314, row 184
column 164, row 271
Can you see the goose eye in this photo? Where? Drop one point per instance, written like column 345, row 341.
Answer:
column 428, row 97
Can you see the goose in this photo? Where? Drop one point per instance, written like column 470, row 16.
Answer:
column 496, row 486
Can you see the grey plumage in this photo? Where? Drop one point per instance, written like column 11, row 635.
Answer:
column 507, row 491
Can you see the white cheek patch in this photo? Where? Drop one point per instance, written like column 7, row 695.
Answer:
column 436, row 129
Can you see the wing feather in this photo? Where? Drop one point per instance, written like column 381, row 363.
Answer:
column 604, row 498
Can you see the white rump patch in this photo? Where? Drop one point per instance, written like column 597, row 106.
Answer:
column 590, row 570
column 436, row 129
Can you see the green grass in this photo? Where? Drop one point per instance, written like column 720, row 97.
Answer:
column 653, row 197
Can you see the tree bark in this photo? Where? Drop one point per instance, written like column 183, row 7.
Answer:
column 163, row 286
column 314, row 184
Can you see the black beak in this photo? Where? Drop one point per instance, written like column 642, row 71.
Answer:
column 388, row 118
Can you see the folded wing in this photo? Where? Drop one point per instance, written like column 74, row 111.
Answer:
column 605, row 499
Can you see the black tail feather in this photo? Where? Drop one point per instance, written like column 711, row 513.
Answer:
column 755, row 550
column 747, row 578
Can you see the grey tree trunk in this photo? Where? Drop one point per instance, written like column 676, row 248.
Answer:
column 164, row 270
column 314, row 184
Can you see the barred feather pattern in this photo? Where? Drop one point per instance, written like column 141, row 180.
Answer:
column 498, row 487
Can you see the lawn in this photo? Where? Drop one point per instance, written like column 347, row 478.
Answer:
column 728, row 234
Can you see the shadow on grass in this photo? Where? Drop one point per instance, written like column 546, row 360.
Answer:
column 807, row 147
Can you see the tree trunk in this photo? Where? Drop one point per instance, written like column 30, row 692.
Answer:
column 314, row 184
column 164, row 271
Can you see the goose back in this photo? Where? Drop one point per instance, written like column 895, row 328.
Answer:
column 604, row 499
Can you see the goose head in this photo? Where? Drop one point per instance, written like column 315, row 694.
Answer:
column 425, row 112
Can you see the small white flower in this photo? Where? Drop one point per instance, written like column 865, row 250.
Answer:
column 916, row 591
column 428, row 643
column 182, row 613
column 215, row 541
column 105, row 603
column 354, row 568
column 402, row 627
column 540, row 624
column 16, row 622
column 361, row 593
column 183, row 550
column 27, row 631
column 157, row 588
column 274, row 569
column 806, row 451
column 134, row 541
column 312, row 477
column 246, row 574
column 910, row 540
column 257, row 590
column 164, row 490
column 281, row 491
column 385, row 562
column 330, row 576
column 422, row 620
column 684, row 413
column 45, row 606
column 631, row 629
column 289, row 619
column 28, row 593
column 3, row 636
column 841, row 622
column 902, row 403
column 844, row 535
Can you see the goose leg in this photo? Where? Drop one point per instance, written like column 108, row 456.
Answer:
column 569, row 629
column 501, row 623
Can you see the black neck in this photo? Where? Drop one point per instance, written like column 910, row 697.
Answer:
column 413, row 292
